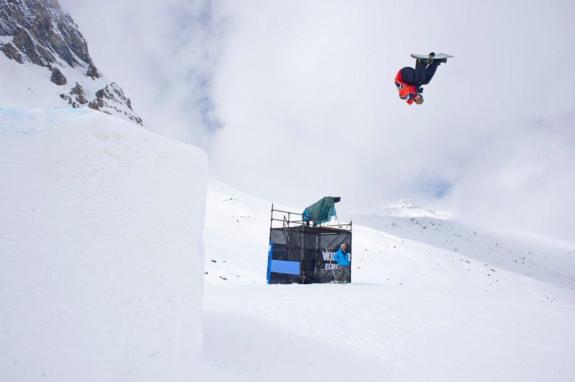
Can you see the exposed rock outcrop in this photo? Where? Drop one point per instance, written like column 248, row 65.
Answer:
column 76, row 97
column 78, row 91
column 93, row 72
column 58, row 78
column 43, row 32
column 112, row 100
column 12, row 53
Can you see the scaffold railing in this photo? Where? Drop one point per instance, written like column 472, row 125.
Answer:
column 288, row 219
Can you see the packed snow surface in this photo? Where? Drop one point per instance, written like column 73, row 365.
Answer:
column 431, row 299
column 100, row 249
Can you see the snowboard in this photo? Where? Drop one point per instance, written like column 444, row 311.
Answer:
column 438, row 56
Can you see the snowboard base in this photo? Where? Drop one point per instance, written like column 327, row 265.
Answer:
column 438, row 56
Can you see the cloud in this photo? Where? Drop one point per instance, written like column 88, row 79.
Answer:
column 162, row 52
column 295, row 100
column 305, row 93
column 524, row 180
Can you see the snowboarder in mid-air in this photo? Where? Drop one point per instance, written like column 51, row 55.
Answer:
column 409, row 80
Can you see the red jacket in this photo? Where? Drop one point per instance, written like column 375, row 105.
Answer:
column 406, row 91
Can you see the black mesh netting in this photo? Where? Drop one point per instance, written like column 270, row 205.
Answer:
column 314, row 248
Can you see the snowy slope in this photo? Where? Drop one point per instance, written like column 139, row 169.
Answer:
column 100, row 249
column 233, row 234
column 548, row 260
column 238, row 225
column 430, row 304
column 29, row 85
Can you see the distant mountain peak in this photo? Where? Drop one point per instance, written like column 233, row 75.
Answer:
column 403, row 203
column 407, row 209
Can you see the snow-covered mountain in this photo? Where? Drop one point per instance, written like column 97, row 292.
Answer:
column 406, row 209
column 430, row 299
column 244, row 220
column 44, row 61
column 119, row 258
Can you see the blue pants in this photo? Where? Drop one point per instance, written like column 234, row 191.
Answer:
column 422, row 73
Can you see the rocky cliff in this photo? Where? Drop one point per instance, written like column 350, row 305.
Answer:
column 38, row 33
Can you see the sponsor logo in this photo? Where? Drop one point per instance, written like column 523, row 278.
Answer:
column 330, row 267
column 327, row 255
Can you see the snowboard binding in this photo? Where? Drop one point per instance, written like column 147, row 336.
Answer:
column 428, row 59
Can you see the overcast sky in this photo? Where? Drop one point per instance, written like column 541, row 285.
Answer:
column 295, row 100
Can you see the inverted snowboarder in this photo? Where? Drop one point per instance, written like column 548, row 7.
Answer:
column 409, row 80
